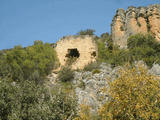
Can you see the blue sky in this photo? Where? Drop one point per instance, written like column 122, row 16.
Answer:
column 23, row 21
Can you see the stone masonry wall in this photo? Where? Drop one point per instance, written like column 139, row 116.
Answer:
column 85, row 45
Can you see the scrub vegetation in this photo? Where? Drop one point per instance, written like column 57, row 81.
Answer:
column 23, row 93
column 134, row 95
column 140, row 47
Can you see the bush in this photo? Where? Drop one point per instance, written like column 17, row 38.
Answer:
column 141, row 40
column 29, row 101
column 144, row 47
column 70, row 61
column 85, row 113
column 109, row 53
column 91, row 66
column 63, row 106
column 65, row 74
column 28, row 63
column 96, row 71
column 86, row 32
column 112, row 54
column 140, row 47
column 135, row 95
column 82, row 85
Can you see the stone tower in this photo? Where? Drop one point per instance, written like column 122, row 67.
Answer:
column 83, row 48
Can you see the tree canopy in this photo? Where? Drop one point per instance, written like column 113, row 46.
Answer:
column 30, row 63
column 86, row 32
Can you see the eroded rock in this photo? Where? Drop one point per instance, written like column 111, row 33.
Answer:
column 135, row 20
column 92, row 94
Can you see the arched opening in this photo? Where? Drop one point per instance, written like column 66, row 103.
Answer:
column 93, row 54
column 73, row 53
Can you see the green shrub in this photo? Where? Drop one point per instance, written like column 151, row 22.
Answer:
column 29, row 101
column 144, row 47
column 86, row 32
column 91, row 66
column 63, row 106
column 82, row 85
column 112, row 54
column 141, row 40
column 96, row 71
column 71, row 60
column 26, row 63
column 140, row 47
column 65, row 74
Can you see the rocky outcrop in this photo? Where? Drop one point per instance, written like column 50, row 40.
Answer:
column 155, row 70
column 135, row 20
column 90, row 86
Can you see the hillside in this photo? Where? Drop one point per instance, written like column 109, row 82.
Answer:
column 87, row 77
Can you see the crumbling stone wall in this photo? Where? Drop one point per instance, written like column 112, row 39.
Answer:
column 71, row 46
column 135, row 20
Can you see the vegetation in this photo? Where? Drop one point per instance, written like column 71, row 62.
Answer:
column 82, row 85
column 86, row 114
column 91, row 66
column 70, row 61
column 29, row 101
column 31, row 63
column 140, row 47
column 135, row 95
column 96, row 71
column 144, row 47
column 23, row 96
column 86, row 32
column 65, row 74
column 109, row 53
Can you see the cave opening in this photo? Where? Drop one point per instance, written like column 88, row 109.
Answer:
column 93, row 54
column 73, row 53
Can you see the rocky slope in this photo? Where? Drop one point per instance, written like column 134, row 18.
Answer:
column 135, row 20
column 89, row 86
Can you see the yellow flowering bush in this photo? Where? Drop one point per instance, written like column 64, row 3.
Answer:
column 135, row 95
column 85, row 113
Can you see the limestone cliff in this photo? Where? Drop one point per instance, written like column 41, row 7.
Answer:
column 135, row 20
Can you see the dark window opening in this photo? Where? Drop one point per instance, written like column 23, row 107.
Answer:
column 93, row 54
column 73, row 53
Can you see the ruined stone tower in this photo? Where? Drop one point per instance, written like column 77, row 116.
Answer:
column 83, row 48
column 135, row 20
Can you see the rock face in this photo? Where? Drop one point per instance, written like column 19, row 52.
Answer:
column 90, row 86
column 135, row 20
column 83, row 48
column 155, row 70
